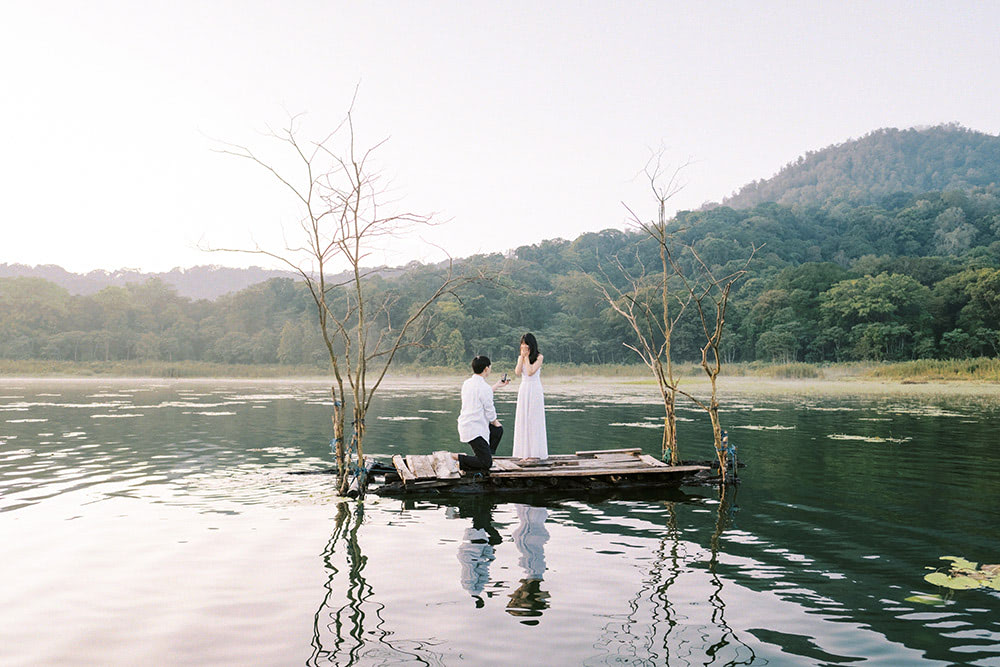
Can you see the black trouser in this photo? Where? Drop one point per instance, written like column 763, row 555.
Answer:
column 484, row 451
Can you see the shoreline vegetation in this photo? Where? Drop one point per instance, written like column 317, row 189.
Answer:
column 984, row 369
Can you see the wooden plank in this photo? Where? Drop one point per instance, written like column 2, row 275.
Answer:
column 445, row 467
column 614, row 458
column 504, row 464
column 601, row 462
column 538, row 463
column 595, row 452
column 552, row 457
column 405, row 473
column 421, row 465
column 649, row 460
column 604, row 472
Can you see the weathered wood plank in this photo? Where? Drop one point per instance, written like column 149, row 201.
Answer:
column 625, row 463
column 603, row 462
column 405, row 473
column 539, row 463
column 650, row 460
column 596, row 452
column 614, row 458
column 445, row 467
column 421, row 465
column 603, row 472
column 552, row 457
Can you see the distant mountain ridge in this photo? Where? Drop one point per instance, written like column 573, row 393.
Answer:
column 881, row 163
column 858, row 171
column 198, row 282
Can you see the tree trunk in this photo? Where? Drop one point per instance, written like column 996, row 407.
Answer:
column 713, row 415
column 340, row 447
column 670, row 431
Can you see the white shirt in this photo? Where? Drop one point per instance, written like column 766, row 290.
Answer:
column 477, row 410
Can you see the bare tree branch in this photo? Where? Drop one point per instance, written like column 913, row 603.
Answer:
column 346, row 210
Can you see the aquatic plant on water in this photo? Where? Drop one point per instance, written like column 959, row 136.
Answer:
column 965, row 575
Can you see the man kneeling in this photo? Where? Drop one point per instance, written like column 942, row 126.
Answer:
column 478, row 424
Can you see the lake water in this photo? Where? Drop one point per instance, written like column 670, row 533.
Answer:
column 152, row 522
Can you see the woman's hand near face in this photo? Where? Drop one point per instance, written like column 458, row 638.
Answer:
column 524, row 349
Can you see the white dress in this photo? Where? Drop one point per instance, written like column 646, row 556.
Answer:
column 530, row 441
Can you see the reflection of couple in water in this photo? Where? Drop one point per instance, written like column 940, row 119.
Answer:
column 477, row 552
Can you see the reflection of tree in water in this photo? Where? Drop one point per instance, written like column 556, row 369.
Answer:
column 661, row 625
column 348, row 626
column 530, row 536
column 740, row 653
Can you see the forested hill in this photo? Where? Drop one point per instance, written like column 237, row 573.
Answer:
column 198, row 282
column 913, row 276
column 882, row 163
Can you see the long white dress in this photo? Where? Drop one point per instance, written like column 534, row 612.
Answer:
column 530, row 441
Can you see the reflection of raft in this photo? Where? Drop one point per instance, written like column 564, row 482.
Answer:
column 597, row 469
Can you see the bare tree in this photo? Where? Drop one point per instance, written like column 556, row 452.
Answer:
column 647, row 302
column 652, row 305
column 346, row 213
column 710, row 296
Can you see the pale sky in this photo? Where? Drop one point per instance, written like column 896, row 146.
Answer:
column 515, row 121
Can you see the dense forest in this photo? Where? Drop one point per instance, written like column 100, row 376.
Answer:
column 853, row 265
column 882, row 163
column 912, row 276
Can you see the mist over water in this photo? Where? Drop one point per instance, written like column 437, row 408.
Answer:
column 157, row 522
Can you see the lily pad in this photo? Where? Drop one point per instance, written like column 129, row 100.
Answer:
column 937, row 578
column 959, row 563
column 963, row 583
column 957, row 583
column 965, row 575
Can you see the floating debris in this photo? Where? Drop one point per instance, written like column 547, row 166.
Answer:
column 261, row 397
column 926, row 411
column 866, row 438
column 927, row 599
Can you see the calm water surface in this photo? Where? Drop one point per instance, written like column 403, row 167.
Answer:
column 150, row 522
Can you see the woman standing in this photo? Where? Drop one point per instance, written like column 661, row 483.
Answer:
column 530, row 442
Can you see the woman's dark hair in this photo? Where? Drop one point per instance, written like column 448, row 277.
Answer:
column 480, row 363
column 529, row 340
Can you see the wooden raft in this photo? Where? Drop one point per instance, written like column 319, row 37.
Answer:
column 583, row 469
